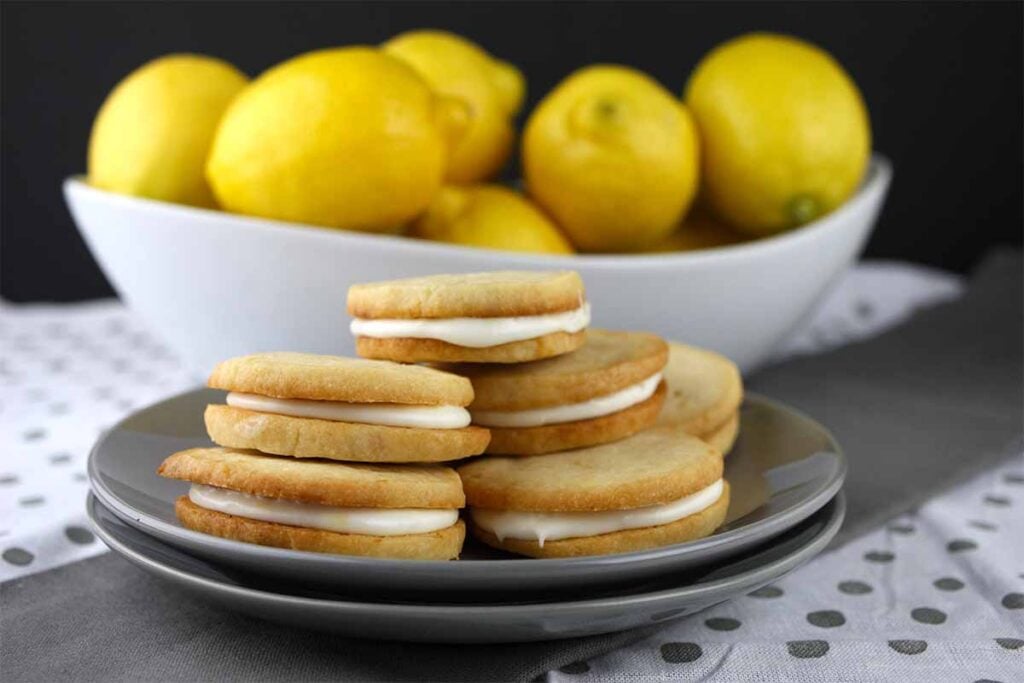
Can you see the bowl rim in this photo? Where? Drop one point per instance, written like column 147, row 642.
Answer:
column 878, row 176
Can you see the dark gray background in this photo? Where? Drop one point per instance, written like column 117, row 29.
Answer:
column 943, row 82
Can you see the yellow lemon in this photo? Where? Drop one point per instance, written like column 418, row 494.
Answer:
column 613, row 156
column 785, row 136
column 493, row 90
column 154, row 130
column 345, row 137
column 700, row 231
column 490, row 216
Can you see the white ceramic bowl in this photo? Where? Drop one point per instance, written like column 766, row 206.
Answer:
column 216, row 285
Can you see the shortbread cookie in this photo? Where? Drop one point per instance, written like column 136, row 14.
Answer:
column 401, row 511
column 498, row 317
column 704, row 389
column 607, row 390
column 658, row 487
column 309, row 406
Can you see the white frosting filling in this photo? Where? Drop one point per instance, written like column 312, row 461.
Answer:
column 554, row 526
column 475, row 332
column 571, row 412
column 394, row 415
column 369, row 521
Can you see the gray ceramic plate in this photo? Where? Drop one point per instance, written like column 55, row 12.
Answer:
column 666, row 598
column 784, row 467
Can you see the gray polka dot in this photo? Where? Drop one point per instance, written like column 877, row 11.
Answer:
column 948, row 583
column 854, row 588
column 960, row 545
column 928, row 615
column 864, row 309
column 984, row 526
column 58, row 408
column 1013, row 601
column 8, row 479
column 60, row 458
column 902, row 529
column 986, row 680
column 767, row 592
column 79, row 535
column 997, row 501
column 908, row 647
column 722, row 624
column 827, row 618
column 34, row 434
column 1014, row 478
column 879, row 556
column 79, row 476
column 18, row 556
column 681, row 653
column 31, row 501
column 102, row 393
column 1010, row 643
column 575, row 668
column 807, row 649
column 57, row 365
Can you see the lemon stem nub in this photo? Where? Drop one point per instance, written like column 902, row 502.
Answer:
column 802, row 209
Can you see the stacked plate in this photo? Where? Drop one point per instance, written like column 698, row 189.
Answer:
column 785, row 472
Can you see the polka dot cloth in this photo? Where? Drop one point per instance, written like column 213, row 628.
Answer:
column 936, row 595
column 66, row 373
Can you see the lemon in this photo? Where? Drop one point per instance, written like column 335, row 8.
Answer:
column 613, row 157
column 153, row 132
column 490, row 216
column 344, row 137
column 700, row 231
column 785, row 136
column 493, row 89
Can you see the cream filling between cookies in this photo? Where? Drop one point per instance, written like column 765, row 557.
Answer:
column 555, row 526
column 571, row 412
column 390, row 414
column 367, row 521
column 475, row 333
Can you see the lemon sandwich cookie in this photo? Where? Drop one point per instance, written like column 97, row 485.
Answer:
column 398, row 511
column 705, row 391
column 656, row 488
column 310, row 406
column 607, row 390
column 498, row 317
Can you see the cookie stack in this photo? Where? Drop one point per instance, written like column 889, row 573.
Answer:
column 330, row 454
column 576, row 464
column 596, row 441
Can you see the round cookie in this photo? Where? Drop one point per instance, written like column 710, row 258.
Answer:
column 281, row 481
column 704, row 389
column 303, row 437
column 553, row 438
column 319, row 482
column 688, row 528
column 444, row 544
column 308, row 406
column 426, row 319
column 656, row 467
column 608, row 363
column 408, row 350
column 499, row 294
column 336, row 378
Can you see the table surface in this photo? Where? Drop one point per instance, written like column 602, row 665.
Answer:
column 938, row 593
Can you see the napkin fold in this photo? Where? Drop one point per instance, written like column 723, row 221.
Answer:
column 916, row 409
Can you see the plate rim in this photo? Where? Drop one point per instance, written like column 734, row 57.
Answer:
column 766, row 528
column 773, row 569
